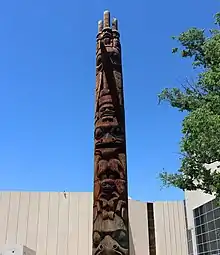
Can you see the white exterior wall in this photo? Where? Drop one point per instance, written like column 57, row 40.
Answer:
column 193, row 200
column 52, row 223
column 170, row 228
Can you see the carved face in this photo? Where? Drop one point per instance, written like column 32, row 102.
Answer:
column 108, row 135
column 110, row 237
column 106, row 108
column 114, row 56
column 112, row 51
column 109, row 169
column 113, row 243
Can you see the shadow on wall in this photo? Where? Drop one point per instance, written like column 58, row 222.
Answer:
column 131, row 243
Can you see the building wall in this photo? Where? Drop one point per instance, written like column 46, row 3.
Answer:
column 194, row 199
column 61, row 223
column 170, row 228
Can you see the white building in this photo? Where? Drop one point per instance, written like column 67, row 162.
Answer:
column 61, row 223
column 203, row 222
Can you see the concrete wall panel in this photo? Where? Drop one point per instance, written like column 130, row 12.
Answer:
column 61, row 223
column 138, row 227
column 170, row 228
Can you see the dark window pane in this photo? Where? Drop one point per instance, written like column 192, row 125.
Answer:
column 215, row 252
column 211, row 226
column 196, row 212
column 213, row 246
column 218, row 233
column 212, row 236
column 210, row 216
column 199, row 239
column 201, row 209
column 205, row 238
column 204, row 228
column 197, row 221
column 217, row 223
column 200, row 248
column 218, row 243
column 205, row 247
column 208, row 206
column 203, row 219
column 217, row 213
column 198, row 230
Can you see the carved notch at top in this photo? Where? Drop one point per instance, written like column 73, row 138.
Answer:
column 106, row 23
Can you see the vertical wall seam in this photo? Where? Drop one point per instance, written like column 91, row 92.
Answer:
column 48, row 217
column 168, row 213
column 68, row 222
column 39, row 202
column 180, row 220
column 27, row 222
column 9, row 206
column 178, row 212
column 164, row 230
column 19, row 201
column 174, row 226
column 169, row 226
column 180, row 228
column 78, row 224
column 184, row 225
column 58, row 221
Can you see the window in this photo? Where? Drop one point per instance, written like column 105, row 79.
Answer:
column 217, row 213
column 213, row 246
column 217, row 223
column 211, row 226
column 212, row 235
column 207, row 229
column 210, row 216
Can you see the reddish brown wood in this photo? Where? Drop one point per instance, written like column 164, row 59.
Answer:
column 110, row 214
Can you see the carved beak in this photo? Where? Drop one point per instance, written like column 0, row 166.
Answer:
column 108, row 69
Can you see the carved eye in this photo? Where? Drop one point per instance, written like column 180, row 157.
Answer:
column 103, row 176
column 115, row 58
column 98, row 133
column 121, row 237
column 112, row 176
column 117, row 131
column 96, row 238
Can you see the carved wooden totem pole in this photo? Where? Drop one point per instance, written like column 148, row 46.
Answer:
column 110, row 211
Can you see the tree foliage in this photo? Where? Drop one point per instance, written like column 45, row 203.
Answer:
column 200, row 100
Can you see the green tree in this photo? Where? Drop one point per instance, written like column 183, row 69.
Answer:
column 200, row 100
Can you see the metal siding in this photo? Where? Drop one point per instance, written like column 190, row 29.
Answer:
column 139, row 227
column 4, row 213
column 23, row 218
column 53, row 219
column 170, row 228
column 83, row 233
column 52, row 223
column 73, row 224
column 32, row 226
column 42, row 223
column 12, row 223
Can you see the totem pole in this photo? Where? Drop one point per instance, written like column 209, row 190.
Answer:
column 110, row 208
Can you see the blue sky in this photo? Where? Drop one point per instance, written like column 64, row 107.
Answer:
column 47, row 82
